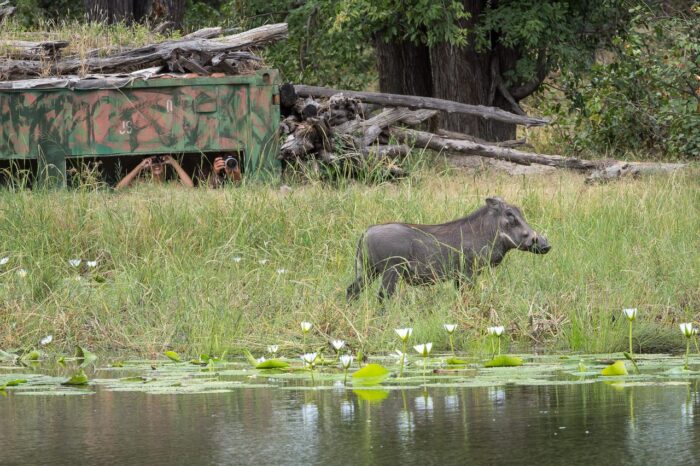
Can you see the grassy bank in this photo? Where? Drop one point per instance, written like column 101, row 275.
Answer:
column 168, row 274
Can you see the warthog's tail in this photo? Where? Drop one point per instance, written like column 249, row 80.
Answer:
column 362, row 273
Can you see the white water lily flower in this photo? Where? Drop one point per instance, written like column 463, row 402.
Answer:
column 306, row 326
column 630, row 313
column 237, row 258
column 424, row 349
column 404, row 333
column 22, row 272
column 309, row 358
column 498, row 331
column 261, row 359
column 263, row 261
column 337, row 344
column 4, row 260
column 695, row 330
column 398, row 353
column 281, row 271
column 91, row 264
column 687, row 329
column 273, row 349
column 74, row 262
column 450, row 328
column 46, row 340
column 346, row 360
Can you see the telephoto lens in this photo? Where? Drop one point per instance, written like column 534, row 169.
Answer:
column 231, row 163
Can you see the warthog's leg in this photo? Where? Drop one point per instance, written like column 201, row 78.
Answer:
column 389, row 279
column 361, row 281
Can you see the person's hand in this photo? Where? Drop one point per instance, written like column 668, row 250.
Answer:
column 219, row 165
column 146, row 163
column 167, row 159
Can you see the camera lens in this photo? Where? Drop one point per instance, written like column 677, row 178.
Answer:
column 231, row 163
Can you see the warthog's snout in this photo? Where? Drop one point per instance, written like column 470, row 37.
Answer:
column 540, row 245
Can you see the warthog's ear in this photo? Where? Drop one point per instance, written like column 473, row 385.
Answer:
column 495, row 203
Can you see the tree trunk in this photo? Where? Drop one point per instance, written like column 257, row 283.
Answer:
column 404, row 68
column 114, row 11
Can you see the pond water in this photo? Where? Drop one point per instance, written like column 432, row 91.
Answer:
column 535, row 414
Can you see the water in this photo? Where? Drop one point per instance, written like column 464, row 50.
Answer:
column 594, row 423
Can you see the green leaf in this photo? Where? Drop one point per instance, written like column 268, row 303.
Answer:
column 12, row 383
column 33, row 355
column 117, row 364
column 455, row 362
column 371, row 374
column 5, row 356
column 173, row 356
column 87, row 357
column 504, row 361
column 634, row 363
column 249, row 357
column 133, row 379
column 79, row 378
column 272, row 364
column 614, row 369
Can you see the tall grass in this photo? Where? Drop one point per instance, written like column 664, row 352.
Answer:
column 168, row 275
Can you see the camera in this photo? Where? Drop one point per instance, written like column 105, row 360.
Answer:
column 157, row 159
column 231, row 163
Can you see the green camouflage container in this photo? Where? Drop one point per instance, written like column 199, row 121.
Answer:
column 161, row 115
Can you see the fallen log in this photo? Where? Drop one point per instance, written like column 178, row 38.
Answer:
column 620, row 170
column 437, row 143
column 387, row 118
column 465, row 137
column 33, row 50
column 165, row 53
column 396, row 100
column 6, row 10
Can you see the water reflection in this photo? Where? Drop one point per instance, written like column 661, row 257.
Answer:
column 574, row 424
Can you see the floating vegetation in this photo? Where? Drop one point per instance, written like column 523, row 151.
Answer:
column 173, row 356
column 615, row 369
column 371, row 374
column 504, row 361
column 371, row 382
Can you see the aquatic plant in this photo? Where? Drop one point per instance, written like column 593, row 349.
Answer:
column 345, row 362
column 424, row 350
column 272, row 349
column 371, row 374
column 173, row 356
column 615, row 369
column 337, row 346
column 450, row 329
column 22, row 273
column 404, row 334
column 4, row 260
column 309, row 360
column 688, row 332
column 631, row 315
column 496, row 332
column 74, row 262
column 305, row 328
column 46, row 340
column 79, row 378
column 91, row 264
column 504, row 361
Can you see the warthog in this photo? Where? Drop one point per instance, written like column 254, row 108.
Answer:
column 425, row 254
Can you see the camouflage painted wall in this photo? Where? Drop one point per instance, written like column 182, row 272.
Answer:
column 157, row 116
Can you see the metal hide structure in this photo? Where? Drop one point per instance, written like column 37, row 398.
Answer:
column 54, row 119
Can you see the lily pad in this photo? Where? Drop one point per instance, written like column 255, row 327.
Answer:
column 87, row 357
column 615, row 369
column 79, row 378
column 371, row 374
column 173, row 356
column 272, row 364
column 33, row 355
column 455, row 361
column 504, row 361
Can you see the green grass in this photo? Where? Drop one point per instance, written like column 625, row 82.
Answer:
column 169, row 279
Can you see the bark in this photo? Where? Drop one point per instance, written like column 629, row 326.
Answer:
column 435, row 142
column 395, row 100
column 156, row 11
column 166, row 53
column 404, row 68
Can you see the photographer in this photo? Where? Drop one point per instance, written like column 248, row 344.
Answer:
column 226, row 168
column 156, row 166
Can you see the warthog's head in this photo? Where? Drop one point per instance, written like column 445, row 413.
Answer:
column 514, row 230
